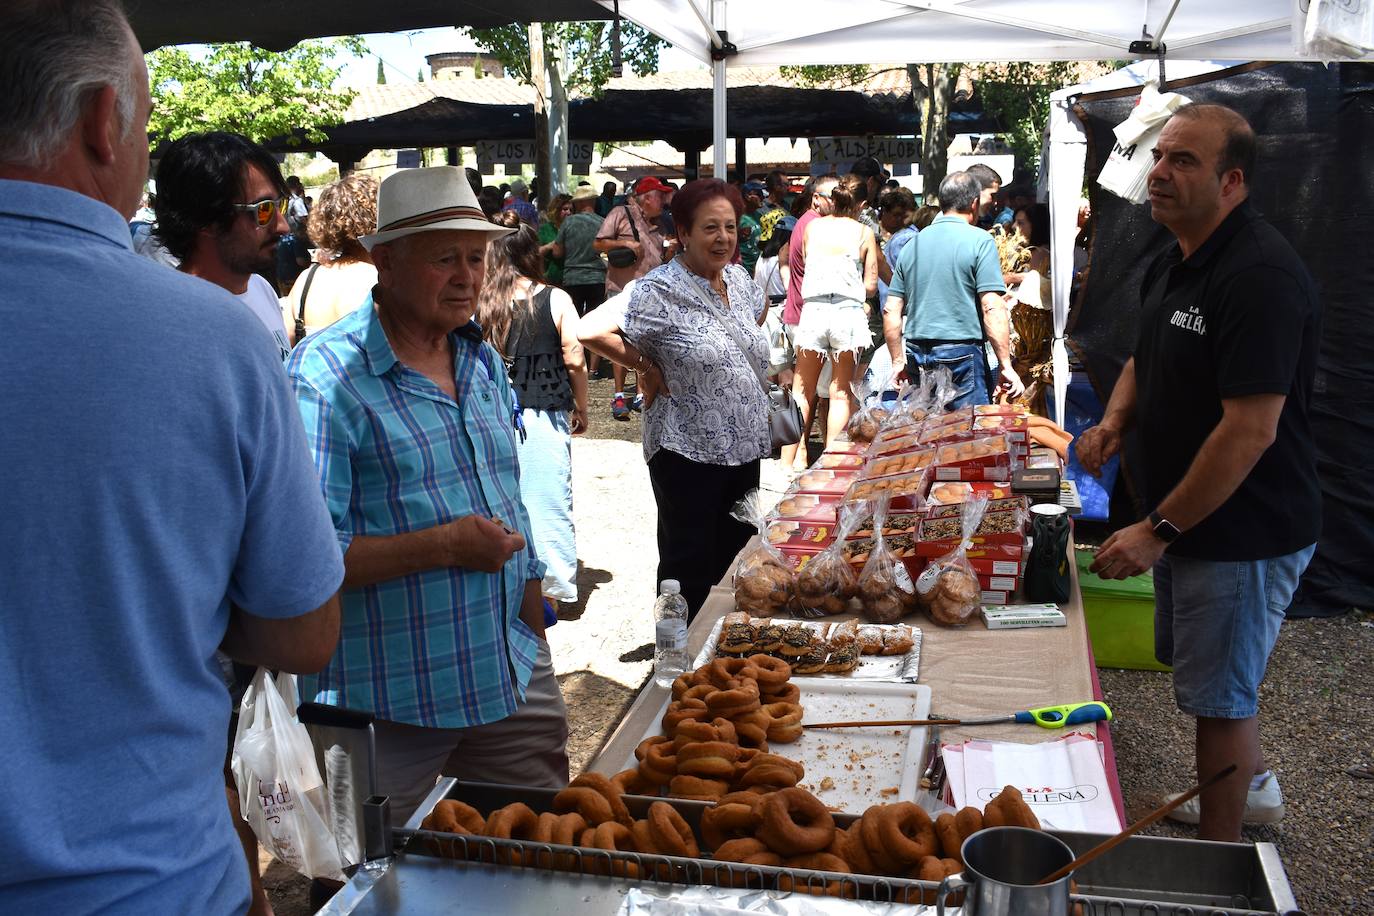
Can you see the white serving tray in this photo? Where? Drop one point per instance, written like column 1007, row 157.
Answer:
column 865, row 766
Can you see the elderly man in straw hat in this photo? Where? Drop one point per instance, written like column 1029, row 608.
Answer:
column 413, row 425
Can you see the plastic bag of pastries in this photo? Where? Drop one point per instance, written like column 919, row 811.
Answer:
column 948, row 588
column 827, row 581
column 764, row 580
column 863, row 426
column 885, row 587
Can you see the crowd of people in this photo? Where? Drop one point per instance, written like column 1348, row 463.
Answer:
column 367, row 482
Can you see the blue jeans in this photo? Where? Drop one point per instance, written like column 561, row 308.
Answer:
column 1216, row 623
column 966, row 363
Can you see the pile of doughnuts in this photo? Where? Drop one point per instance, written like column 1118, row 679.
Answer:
column 717, row 733
column 785, row 826
column 792, row 828
column 589, row 813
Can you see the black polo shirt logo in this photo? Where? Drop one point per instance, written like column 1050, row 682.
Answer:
column 1190, row 320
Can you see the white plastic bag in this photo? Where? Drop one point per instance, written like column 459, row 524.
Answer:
column 281, row 794
column 1126, row 173
column 1339, row 29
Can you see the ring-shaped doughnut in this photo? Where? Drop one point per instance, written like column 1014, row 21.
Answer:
column 816, row 861
column 778, row 760
column 513, row 822
column 725, row 730
column 683, row 711
column 603, row 787
column 696, row 787
column 681, row 685
column 738, row 850
column 727, row 821
column 769, row 671
column 724, row 670
column 849, row 845
column 632, row 782
column 589, row 803
column 709, row 767
column 794, row 822
column 643, row 747
column 452, row 816
column 702, row 692
column 898, row 836
column 614, row 837
column 659, row 764
column 788, row 693
column 671, row 834
column 744, row 695
column 766, row 778
column 947, row 833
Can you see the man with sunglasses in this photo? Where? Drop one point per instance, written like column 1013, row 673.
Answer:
column 221, row 209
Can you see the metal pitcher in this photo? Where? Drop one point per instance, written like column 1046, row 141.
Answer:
column 1001, row 866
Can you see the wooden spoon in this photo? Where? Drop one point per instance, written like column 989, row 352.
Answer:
column 1147, row 820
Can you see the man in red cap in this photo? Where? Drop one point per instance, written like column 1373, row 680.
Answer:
column 633, row 228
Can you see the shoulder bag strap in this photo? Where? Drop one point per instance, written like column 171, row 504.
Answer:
column 630, row 218
column 728, row 324
column 300, row 312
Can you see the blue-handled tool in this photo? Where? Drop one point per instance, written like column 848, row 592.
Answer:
column 1044, row 716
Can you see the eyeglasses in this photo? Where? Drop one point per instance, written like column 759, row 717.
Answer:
column 264, row 210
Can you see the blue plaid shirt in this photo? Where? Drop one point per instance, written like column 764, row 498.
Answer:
column 444, row 648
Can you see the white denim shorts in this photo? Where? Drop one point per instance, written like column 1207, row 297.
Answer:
column 832, row 325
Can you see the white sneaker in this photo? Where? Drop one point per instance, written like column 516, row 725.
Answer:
column 1262, row 806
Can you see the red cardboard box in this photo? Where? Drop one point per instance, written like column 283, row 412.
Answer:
column 939, row 536
column 831, row 481
column 998, row 559
column 908, row 491
column 839, row 461
column 808, row 507
column 900, row 463
column 800, row 534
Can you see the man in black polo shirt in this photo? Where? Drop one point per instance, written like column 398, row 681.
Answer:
column 1219, row 387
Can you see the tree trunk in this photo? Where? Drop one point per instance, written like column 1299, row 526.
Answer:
column 555, row 66
column 932, row 89
column 538, row 74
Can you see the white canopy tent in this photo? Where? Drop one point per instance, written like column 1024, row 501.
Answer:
column 774, row 32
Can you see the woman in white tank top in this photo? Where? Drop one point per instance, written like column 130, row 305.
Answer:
column 841, row 274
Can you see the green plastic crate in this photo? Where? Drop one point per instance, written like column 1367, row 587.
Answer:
column 1121, row 618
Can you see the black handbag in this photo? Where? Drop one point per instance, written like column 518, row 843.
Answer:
column 625, row 257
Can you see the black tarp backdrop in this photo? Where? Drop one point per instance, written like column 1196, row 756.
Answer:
column 1315, row 182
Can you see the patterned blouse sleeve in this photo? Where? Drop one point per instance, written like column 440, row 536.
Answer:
column 645, row 315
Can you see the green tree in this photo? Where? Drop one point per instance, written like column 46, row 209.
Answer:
column 381, row 73
column 242, row 88
column 1018, row 95
column 570, row 57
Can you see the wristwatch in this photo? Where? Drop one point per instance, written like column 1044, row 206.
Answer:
column 1164, row 529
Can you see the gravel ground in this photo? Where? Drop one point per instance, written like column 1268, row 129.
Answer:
column 1316, row 699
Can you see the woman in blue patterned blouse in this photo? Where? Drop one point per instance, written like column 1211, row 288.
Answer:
column 690, row 328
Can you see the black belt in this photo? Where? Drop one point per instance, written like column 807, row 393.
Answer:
column 929, row 342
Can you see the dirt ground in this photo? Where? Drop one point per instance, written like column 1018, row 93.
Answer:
column 1317, row 698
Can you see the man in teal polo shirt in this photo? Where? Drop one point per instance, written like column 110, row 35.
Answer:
column 951, row 274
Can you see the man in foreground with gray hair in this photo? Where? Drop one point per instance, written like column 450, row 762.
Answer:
column 159, row 502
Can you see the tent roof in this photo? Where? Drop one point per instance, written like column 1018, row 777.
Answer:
column 277, row 25
column 859, row 31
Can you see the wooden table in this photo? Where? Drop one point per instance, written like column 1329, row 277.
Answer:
column 972, row 672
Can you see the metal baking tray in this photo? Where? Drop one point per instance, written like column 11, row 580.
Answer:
column 1143, row 875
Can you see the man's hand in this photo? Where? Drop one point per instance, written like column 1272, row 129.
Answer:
column 1096, row 446
column 1128, row 552
column 1011, row 385
column 899, row 376
column 480, row 543
column 577, row 421
column 651, row 384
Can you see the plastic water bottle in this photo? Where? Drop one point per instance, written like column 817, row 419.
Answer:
column 670, row 633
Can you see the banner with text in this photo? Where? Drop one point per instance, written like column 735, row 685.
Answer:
column 522, row 152
column 887, row 150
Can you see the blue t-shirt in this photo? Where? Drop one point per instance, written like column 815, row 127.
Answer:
column 952, row 263
column 155, row 470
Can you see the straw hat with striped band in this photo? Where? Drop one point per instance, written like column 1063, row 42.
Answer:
column 423, row 200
